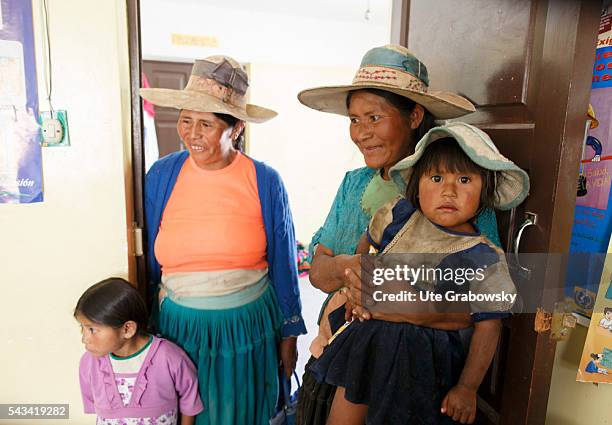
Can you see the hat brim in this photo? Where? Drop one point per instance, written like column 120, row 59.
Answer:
column 201, row 102
column 442, row 105
column 512, row 188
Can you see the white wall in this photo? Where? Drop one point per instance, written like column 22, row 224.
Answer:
column 311, row 150
column 52, row 251
column 289, row 46
column 314, row 32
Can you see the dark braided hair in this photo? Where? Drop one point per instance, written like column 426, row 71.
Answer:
column 112, row 302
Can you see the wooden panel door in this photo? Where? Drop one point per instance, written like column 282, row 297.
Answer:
column 167, row 75
column 527, row 65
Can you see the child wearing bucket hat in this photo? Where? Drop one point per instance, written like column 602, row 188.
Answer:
column 406, row 373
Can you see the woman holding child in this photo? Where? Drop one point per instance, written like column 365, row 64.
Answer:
column 390, row 109
column 222, row 249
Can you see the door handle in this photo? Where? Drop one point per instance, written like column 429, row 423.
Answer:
column 530, row 220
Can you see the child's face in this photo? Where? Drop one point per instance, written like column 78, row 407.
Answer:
column 608, row 315
column 99, row 339
column 450, row 200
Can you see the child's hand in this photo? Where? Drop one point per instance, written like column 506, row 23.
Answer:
column 352, row 312
column 348, row 311
column 361, row 313
column 460, row 404
column 355, row 312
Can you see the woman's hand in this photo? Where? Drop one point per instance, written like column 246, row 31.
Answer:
column 460, row 404
column 288, row 354
column 354, row 290
column 327, row 269
column 356, row 294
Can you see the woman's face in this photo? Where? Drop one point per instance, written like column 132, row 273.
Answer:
column 207, row 138
column 380, row 131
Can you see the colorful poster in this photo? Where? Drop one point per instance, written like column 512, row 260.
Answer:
column 20, row 152
column 592, row 216
column 596, row 362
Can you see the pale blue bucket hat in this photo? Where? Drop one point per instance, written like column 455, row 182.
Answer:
column 394, row 69
column 511, row 189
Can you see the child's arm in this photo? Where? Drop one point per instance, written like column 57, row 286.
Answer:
column 187, row 420
column 185, row 379
column 460, row 402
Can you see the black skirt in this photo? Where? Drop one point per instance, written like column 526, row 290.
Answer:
column 401, row 371
column 315, row 398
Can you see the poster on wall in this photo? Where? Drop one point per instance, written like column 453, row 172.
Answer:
column 593, row 212
column 20, row 152
column 596, row 361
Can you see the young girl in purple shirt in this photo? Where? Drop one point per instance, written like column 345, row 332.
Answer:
column 128, row 376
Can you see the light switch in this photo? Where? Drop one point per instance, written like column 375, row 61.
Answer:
column 54, row 128
column 52, row 131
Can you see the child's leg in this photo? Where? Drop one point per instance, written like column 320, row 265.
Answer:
column 343, row 412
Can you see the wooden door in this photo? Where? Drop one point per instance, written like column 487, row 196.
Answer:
column 167, row 75
column 527, row 65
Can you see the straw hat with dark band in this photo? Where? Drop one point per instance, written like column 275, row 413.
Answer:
column 394, row 69
column 217, row 84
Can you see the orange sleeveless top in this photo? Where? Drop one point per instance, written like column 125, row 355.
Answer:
column 213, row 220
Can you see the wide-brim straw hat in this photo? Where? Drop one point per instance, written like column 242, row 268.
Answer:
column 394, row 69
column 217, row 84
column 511, row 188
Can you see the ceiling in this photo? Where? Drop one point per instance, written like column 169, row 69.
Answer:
column 345, row 10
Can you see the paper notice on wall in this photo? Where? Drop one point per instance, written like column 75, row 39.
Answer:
column 596, row 362
column 593, row 212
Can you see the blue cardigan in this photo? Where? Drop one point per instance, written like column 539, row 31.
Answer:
column 278, row 223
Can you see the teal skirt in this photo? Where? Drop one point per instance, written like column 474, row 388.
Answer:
column 235, row 352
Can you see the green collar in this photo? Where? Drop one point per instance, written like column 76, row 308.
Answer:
column 144, row 347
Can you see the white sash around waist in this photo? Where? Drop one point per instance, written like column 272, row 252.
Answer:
column 210, row 283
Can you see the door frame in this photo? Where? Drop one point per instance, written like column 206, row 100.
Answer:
column 137, row 143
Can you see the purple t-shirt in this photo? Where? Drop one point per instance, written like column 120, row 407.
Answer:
column 166, row 380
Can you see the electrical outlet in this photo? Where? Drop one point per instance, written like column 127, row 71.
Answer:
column 54, row 128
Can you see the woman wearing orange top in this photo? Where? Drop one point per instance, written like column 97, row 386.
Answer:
column 222, row 248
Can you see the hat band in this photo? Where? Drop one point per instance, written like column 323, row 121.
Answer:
column 212, row 88
column 224, row 73
column 403, row 60
column 388, row 76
